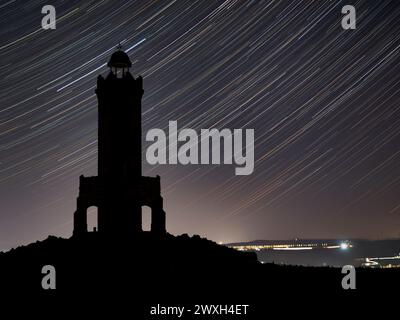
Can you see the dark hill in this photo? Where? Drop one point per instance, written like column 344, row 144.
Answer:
column 144, row 271
column 93, row 262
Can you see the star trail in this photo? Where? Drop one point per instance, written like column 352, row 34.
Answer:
column 324, row 103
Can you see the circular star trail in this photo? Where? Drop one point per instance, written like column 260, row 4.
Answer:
column 324, row 103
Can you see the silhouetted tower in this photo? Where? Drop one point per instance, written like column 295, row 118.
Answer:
column 119, row 191
column 120, row 133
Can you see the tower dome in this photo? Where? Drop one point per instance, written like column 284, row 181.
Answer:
column 119, row 63
column 119, row 59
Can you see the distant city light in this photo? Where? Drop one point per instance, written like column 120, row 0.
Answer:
column 292, row 245
column 344, row 246
column 288, row 248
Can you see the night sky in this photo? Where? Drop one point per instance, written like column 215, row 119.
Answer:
column 324, row 103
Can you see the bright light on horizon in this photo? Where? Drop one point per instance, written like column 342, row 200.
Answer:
column 344, row 246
